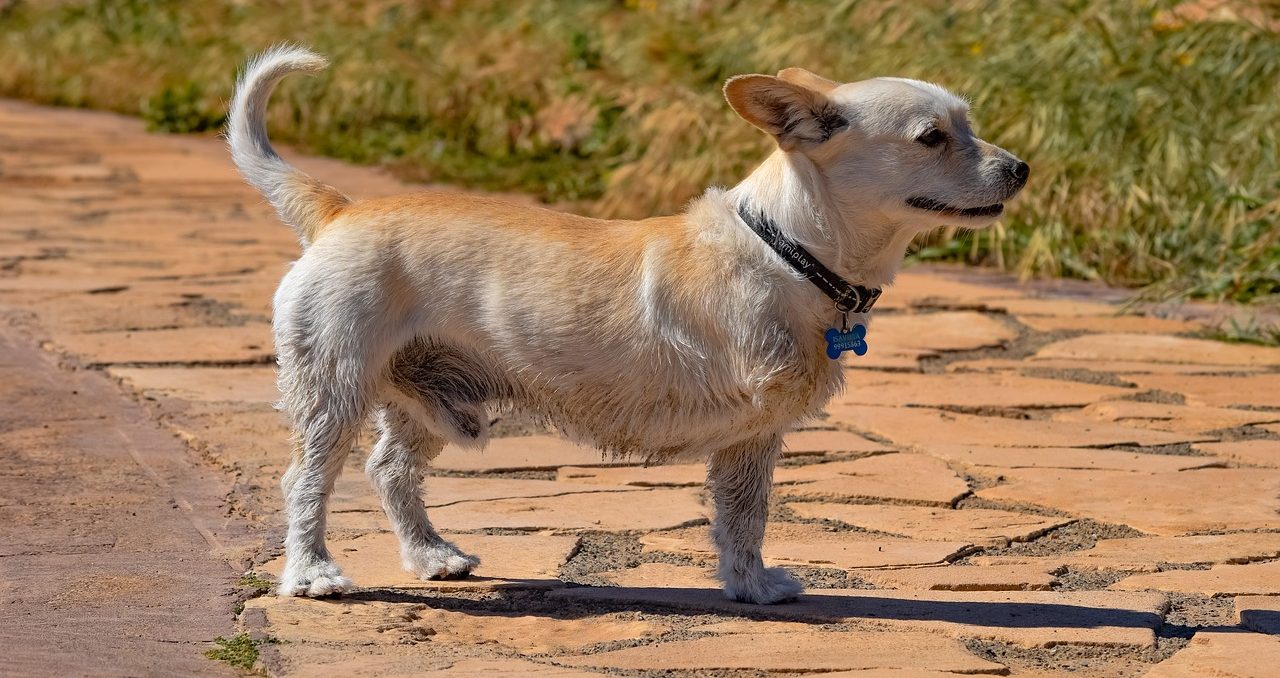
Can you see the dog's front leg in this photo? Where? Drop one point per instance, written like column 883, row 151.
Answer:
column 740, row 478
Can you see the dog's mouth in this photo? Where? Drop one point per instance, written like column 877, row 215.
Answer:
column 931, row 205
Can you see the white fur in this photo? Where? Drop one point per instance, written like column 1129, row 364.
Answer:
column 676, row 338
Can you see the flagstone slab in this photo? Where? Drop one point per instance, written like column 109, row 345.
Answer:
column 1261, row 390
column 1220, row 580
column 352, row 492
column 1260, row 452
column 1125, row 324
column 930, row 288
column 817, row 442
column 193, row 345
column 659, row 509
column 523, row 453
column 1222, row 654
column 981, row 527
column 1160, row 349
column 968, row 390
column 809, row 544
column 1259, row 613
column 1150, row 554
column 923, row 428
column 1036, row 364
column 979, row 456
column 904, row 477
column 755, row 626
column 1023, row 618
column 1157, row 503
column 943, row 331
column 963, row 578
column 1165, row 417
column 506, row 561
column 203, row 384
column 797, row 651
column 671, row 475
column 661, row 574
column 1055, row 307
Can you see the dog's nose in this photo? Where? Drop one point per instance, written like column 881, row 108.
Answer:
column 1020, row 172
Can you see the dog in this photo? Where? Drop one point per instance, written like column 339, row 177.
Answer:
column 670, row 338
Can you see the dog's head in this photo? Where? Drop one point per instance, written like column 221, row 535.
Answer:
column 900, row 148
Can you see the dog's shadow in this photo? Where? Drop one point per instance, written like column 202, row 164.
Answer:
column 815, row 607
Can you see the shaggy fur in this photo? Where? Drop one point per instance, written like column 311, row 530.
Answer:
column 668, row 338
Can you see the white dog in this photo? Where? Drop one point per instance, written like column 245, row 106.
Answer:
column 692, row 336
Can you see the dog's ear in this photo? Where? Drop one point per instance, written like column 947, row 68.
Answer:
column 813, row 81
column 795, row 115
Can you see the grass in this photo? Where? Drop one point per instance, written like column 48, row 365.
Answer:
column 1153, row 140
column 239, row 651
column 258, row 584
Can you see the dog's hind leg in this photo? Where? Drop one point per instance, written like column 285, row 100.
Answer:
column 396, row 468
column 740, row 478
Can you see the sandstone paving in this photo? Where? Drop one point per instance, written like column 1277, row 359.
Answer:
column 1156, row 503
column 963, row 578
column 1219, row 580
column 1033, row 365
column 796, row 651
column 981, row 527
column 662, row 574
column 656, row 509
column 1258, row 452
column 372, row 560
column 1160, row 349
column 1152, row 554
column 522, row 453
column 911, row 478
column 993, row 459
column 1225, row 653
column 192, row 345
column 352, row 492
column 1166, row 417
column 1258, row 613
column 1024, row 618
column 922, row 427
column 1249, row 390
column 669, row 475
column 1127, row 324
column 942, row 331
column 808, row 544
column 256, row 384
column 866, row 387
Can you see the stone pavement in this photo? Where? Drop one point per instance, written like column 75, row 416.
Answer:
column 1019, row 480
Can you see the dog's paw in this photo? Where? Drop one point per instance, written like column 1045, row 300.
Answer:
column 763, row 586
column 442, row 561
column 313, row 581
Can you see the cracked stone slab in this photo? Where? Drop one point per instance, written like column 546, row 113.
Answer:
column 506, row 561
column 669, row 475
column 808, row 544
column 999, row 458
column 1149, row 554
column 1165, row 417
column 202, row 384
column 1110, row 366
column 971, row 389
column 522, row 453
column 913, row 478
column 963, row 578
column 980, row 527
column 922, row 428
column 1253, row 452
column 661, row 574
column 353, row 493
column 798, row 651
column 1124, row 324
column 194, row 345
column 1219, row 580
column 1156, row 503
column 819, row 442
column 1260, row 390
column 1024, row 618
column 609, row 511
column 1159, row 349
column 943, row 331
column 1222, row 653
column 1258, row 613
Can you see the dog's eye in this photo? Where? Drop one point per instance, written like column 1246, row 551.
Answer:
column 932, row 138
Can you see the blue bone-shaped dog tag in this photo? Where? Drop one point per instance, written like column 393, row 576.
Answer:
column 853, row 340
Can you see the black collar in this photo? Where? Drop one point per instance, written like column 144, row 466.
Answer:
column 849, row 298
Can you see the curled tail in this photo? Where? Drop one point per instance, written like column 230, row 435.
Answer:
column 302, row 202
